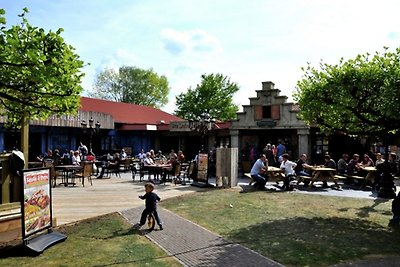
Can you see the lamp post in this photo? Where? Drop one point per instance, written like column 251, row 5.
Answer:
column 203, row 125
column 93, row 128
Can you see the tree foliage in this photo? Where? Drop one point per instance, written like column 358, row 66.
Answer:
column 132, row 85
column 39, row 73
column 357, row 96
column 214, row 95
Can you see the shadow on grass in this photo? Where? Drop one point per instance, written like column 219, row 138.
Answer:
column 364, row 212
column 317, row 241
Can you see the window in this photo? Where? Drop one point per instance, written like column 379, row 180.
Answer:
column 266, row 112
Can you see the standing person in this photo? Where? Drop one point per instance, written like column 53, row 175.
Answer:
column 123, row 154
column 269, row 153
column 258, row 172
column 280, row 150
column 288, row 167
column 151, row 200
column 83, row 150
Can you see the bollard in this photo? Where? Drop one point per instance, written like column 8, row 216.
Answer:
column 226, row 182
column 219, row 181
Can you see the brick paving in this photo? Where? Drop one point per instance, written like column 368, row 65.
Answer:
column 194, row 245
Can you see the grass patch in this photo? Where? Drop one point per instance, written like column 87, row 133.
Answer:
column 295, row 229
column 103, row 241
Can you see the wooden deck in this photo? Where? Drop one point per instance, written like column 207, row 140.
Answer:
column 75, row 203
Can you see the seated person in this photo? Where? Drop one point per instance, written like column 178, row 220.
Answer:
column 152, row 155
column 160, row 156
column 173, row 163
column 288, row 167
column 110, row 165
column 329, row 163
column 367, row 161
column 342, row 164
column 148, row 160
column 76, row 158
column 301, row 164
column 258, row 172
column 354, row 166
column 181, row 157
column 379, row 159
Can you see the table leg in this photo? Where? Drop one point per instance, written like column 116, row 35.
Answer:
column 314, row 177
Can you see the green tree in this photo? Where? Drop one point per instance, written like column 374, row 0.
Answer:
column 359, row 96
column 214, row 95
column 132, row 85
column 39, row 73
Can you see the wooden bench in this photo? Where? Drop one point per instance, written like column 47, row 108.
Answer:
column 248, row 175
column 275, row 178
column 340, row 177
column 302, row 178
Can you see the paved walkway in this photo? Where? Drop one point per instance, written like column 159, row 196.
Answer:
column 194, row 245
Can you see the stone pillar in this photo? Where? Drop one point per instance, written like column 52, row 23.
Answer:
column 304, row 141
column 234, row 138
column 227, row 166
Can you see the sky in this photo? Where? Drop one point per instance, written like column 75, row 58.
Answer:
column 249, row 41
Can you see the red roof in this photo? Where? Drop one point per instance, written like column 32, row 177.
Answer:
column 127, row 113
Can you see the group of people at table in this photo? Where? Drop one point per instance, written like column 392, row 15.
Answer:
column 109, row 162
column 301, row 169
column 159, row 164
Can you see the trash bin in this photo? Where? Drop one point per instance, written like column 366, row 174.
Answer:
column 11, row 184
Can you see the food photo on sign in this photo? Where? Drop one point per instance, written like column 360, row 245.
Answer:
column 37, row 213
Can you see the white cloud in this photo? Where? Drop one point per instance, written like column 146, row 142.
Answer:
column 178, row 42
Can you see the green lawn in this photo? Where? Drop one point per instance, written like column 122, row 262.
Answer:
column 104, row 241
column 295, row 229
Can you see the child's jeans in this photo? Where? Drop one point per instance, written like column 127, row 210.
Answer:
column 147, row 211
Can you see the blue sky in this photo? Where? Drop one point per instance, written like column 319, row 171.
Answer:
column 250, row 41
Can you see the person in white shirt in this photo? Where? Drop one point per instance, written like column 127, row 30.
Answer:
column 148, row 160
column 258, row 172
column 288, row 167
column 76, row 159
column 123, row 154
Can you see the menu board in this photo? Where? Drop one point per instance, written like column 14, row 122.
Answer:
column 36, row 204
column 202, row 168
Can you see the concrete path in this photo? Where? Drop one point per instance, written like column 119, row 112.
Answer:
column 194, row 245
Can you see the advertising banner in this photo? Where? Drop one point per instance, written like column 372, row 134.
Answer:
column 202, row 168
column 36, row 206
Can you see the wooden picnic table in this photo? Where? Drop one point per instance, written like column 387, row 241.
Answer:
column 322, row 174
column 370, row 174
column 275, row 173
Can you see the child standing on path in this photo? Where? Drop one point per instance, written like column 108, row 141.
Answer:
column 151, row 206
